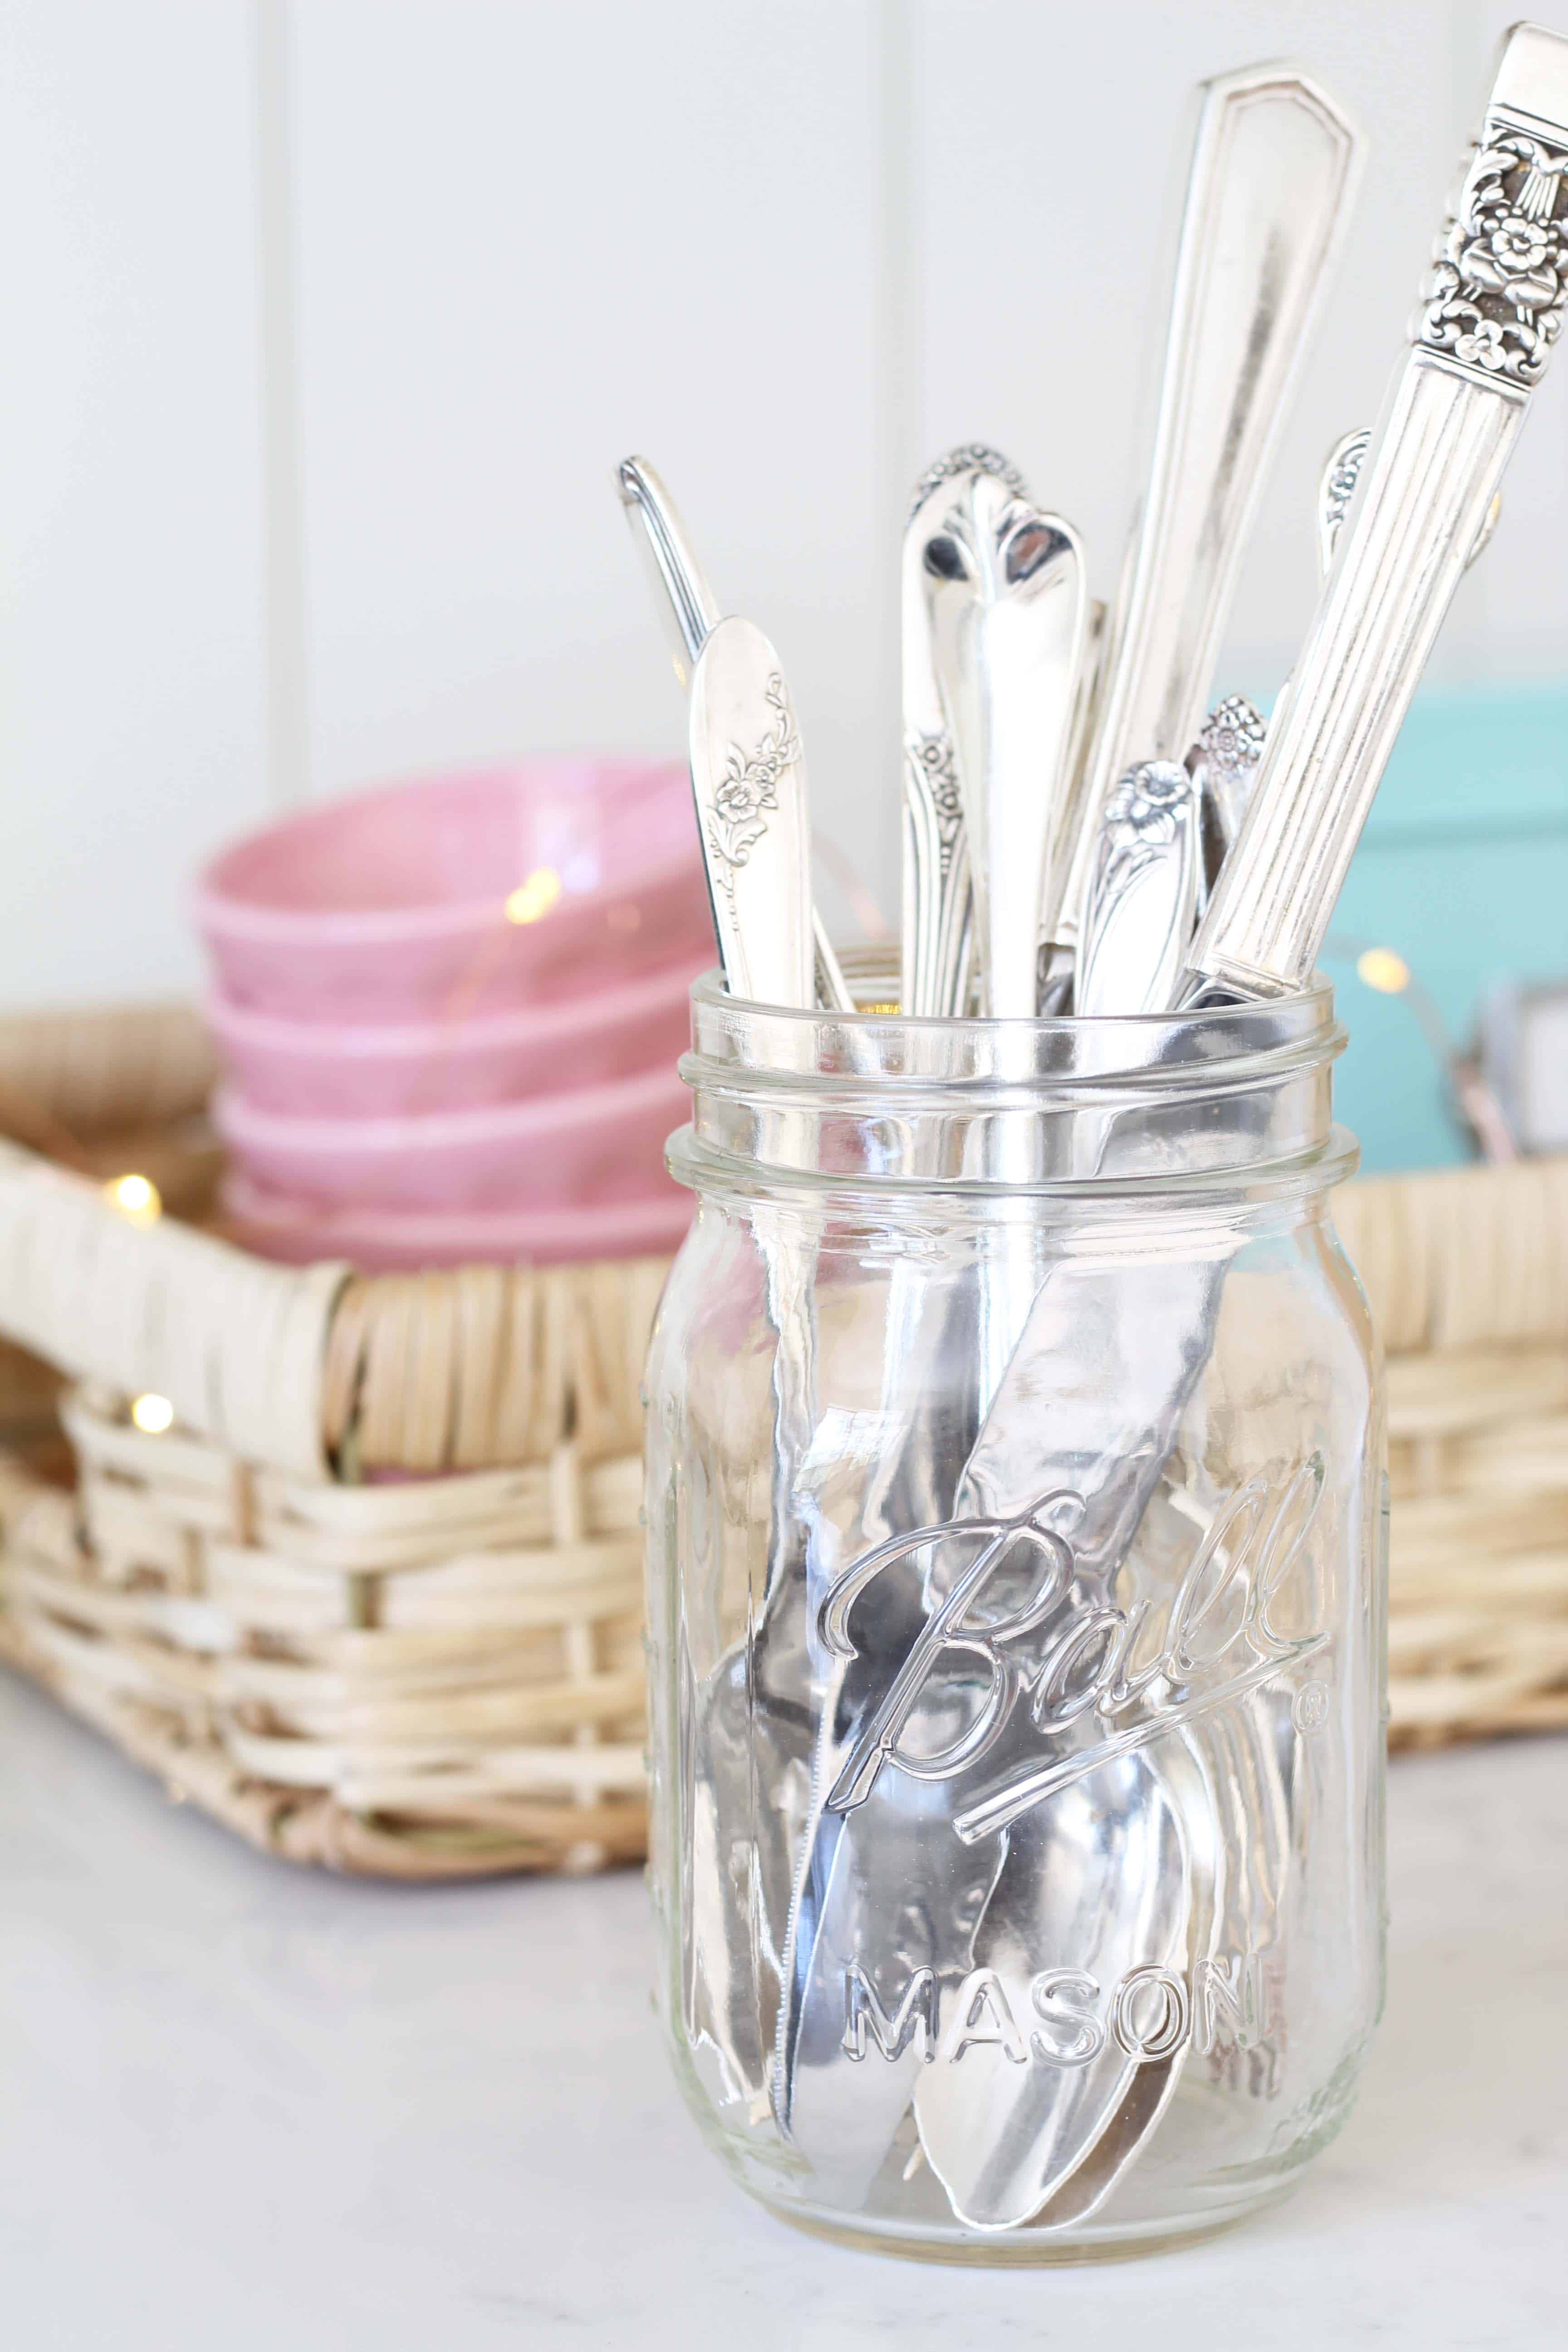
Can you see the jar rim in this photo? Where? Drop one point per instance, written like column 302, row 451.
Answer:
column 1055, row 1109
column 709, row 988
column 1262, row 1185
column 771, row 1045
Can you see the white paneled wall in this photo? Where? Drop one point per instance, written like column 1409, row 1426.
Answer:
column 1049, row 233
column 534, row 239
column 130, row 673
column 787, row 251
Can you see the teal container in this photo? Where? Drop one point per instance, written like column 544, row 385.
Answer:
column 1463, row 871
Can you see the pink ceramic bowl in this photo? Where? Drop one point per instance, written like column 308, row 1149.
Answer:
column 392, row 1240
column 330, row 1069
column 461, row 894
column 558, row 1151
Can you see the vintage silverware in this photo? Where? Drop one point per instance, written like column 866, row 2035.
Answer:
column 1184, row 1787
column 1342, row 471
column 1056, row 959
column 1003, row 590
column 682, row 592
column 901, row 1861
column 1223, row 764
column 892, row 1866
column 738, row 1731
column 821, row 1929
column 1268, row 194
column 1066, row 821
column 748, row 776
column 1247, row 1754
column 938, row 939
column 749, row 780
column 1481, row 345
column 684, row 598
column 1145, row 895
column 1007, row 2140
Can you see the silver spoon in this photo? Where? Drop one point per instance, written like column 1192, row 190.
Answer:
column 1002, row 613
column 1005, row 606
column 1090, row 1403
column 937, row 944
column 1269, row 190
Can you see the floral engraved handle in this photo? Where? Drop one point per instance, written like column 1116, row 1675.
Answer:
column 933, row 755
column 1230, row 742
column 1336, row 490
column 1141, row 817
column 1495, row 302
column 748, row 790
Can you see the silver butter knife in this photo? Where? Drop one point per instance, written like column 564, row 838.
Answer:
column 748, row 778
column 1268, row 194
column 681, row 590
column 683, row 595
column 1480, row 346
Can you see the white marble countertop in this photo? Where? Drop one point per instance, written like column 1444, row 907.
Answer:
column 244, row 2109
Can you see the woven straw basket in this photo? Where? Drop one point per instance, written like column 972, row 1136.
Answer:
column 1467, row 1274
column 375, row 1598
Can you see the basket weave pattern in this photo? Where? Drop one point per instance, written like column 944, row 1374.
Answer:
column 1467, row 1275
column 374, row 1601
column 422, row 1679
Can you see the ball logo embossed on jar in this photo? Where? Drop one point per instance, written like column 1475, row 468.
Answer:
column 1221, row 1638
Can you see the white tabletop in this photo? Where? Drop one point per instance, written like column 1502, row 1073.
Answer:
column 248, row 2109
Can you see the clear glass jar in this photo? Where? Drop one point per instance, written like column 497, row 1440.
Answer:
column 1015, row 1543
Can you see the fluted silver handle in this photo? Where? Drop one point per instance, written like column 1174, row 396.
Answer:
column 1272, row 174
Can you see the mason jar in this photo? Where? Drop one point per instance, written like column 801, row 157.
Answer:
column 1016, row 1519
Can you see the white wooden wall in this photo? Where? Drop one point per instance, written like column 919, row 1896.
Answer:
column 325, row 322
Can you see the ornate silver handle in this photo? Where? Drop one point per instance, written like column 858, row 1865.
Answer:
column 938, row 927
column 748, row 775
column 1479, row 345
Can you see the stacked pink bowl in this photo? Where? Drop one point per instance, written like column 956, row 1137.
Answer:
column 450, row 1013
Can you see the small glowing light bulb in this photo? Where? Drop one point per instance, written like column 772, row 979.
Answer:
column 137, row 1199
column 1383, row 969
column 532, row 900
column 152, row 1414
